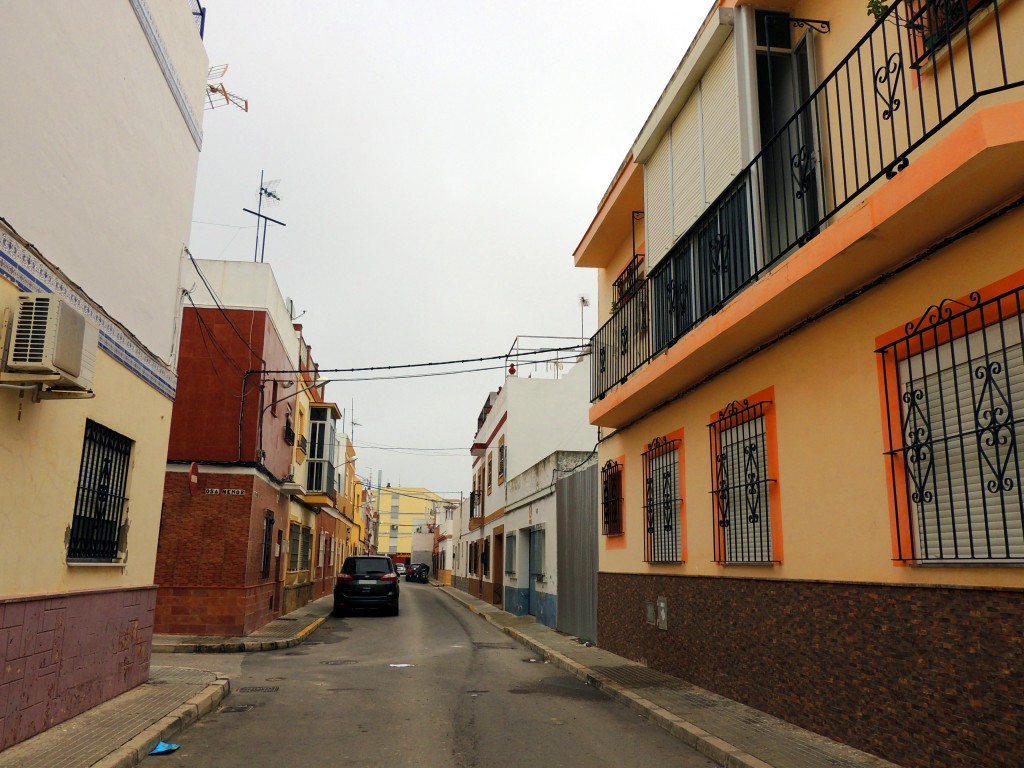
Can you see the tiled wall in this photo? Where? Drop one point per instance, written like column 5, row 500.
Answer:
column 922, row 676
column 62, row 655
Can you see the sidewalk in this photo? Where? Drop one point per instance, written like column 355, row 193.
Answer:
column 122, row 731
column 730, row 733
column 119, row 733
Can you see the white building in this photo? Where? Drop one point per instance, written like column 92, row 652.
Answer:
column 529, row 432
column 102, row 133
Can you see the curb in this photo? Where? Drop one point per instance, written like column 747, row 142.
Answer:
column 244, row 646
column 133, row 752
column 693, row 736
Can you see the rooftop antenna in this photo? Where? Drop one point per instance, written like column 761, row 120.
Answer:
column 584, row 303
column 217, row 95
column 268, row 192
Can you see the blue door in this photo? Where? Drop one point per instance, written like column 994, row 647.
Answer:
column 536, row 567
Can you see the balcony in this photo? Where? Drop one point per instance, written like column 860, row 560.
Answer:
column 924, row 71
column 320, row 487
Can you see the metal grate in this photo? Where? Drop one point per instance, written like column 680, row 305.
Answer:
column 739, row 458
column 662, row 502
column 954, row 387
column 611, row 498
column 96, row 527
column 260, row 689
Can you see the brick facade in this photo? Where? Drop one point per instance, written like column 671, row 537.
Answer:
column 922, row 676
column 210, row 556
column 64, row 654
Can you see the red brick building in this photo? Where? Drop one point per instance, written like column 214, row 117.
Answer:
column 250, row 462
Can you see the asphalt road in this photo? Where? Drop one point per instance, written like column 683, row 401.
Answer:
column 433, row 687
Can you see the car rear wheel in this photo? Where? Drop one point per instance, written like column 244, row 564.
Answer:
column 339, row 611
column 393, row 610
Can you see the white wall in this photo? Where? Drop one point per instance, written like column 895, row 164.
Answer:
column 98, row 162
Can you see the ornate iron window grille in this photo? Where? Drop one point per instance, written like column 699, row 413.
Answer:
column 954, row 387
column 97, row 526
column 662, row 502
column 740, row 484
column 268, row 543
column 859, row 125
column 611, row 498
column 629, row 280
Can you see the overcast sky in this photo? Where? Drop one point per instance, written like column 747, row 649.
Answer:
column 439, row 161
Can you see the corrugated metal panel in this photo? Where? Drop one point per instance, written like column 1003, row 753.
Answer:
column 658, row 201
column 721, row 120
column 687, row 179
column 577, row 519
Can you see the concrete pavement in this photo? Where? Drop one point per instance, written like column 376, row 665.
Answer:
column 121, row 732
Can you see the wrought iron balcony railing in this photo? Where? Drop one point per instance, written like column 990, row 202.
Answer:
column 919, row 66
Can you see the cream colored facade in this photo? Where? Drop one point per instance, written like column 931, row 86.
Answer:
column 809, row 388
column 403, row 511
column 99, row 165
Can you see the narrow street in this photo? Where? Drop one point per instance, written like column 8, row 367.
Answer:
column 435, row 686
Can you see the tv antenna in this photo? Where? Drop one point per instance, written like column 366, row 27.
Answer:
column 268, row 192
column 217, row 94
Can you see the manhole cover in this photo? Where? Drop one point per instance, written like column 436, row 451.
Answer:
column 237, row 708
column 337, row 662
column 275, row 679
column 260, row 689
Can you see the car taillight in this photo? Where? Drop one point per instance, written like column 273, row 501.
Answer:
column 344, row 577
column 389, row 577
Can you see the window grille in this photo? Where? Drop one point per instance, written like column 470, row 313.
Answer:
column 490, row 457
column 954, row 387
column 102, row 496
column 268, row 543
column 306, row 550
column 294, row 531
column 485, row 557
column 662, row 502
column 537, row 552
column 739, row 459
column 510, row 554
column 501, row 463
column 611, row 498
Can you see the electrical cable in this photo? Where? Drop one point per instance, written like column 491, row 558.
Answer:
column 216, row 301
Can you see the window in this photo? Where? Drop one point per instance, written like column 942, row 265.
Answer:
column 294, row 533
column 321, row 550
column 98, row 533
column 954, row 389
column 268, row 543
column 306, row 548
column 743, row 489
column 662, row 502
column 611, row 498
column 485, row 558
column 537, row 552
column 501, row 461
column 510, row 554
column 490, row 457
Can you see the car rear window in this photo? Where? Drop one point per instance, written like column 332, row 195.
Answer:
column 367, row 566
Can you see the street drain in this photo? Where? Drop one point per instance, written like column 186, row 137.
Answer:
column 337, row 662
column 284, row 618
column 237, row 708
column 499, row 646
column 260, row 689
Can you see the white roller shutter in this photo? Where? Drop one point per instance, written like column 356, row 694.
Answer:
column 967, row 482
column 658, row 201
column 720, row 121
column 687, row 180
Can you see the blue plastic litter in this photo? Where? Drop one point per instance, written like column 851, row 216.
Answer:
column 163, row 748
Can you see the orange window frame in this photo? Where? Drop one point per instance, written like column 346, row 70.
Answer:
column 766, row 398
column 897, row 491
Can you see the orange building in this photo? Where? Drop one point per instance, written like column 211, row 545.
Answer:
column 810, row 386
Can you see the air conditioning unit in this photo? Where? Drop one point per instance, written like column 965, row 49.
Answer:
column 295, row 483
column 54, row 341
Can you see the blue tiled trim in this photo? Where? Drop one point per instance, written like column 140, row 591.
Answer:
column 30, row 274
column 141, row 8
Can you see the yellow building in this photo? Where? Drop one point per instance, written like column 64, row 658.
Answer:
column 99, row 161
column 401, row 513
column 810, row 386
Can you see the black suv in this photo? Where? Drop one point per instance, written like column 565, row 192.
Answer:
column 417, row 572
column 366, row 581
